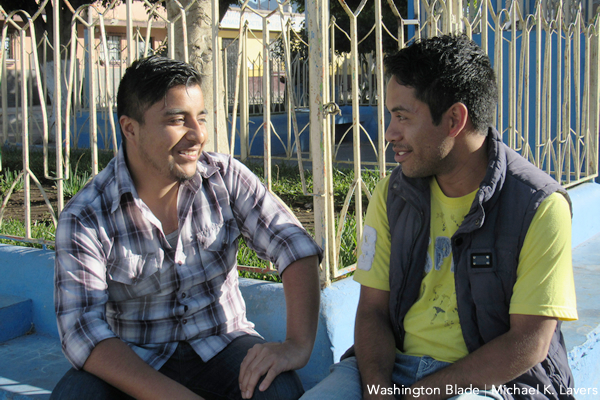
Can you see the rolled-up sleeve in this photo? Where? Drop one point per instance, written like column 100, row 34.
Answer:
column 268, row 226
column 80, row 289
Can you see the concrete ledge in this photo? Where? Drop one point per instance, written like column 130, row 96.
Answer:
column 30, row 367
column 15, row 317
column 586, row 212
column 265, row 306
column 28, row 273
column 582, row 337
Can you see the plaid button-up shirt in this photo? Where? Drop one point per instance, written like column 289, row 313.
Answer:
column 117, row 276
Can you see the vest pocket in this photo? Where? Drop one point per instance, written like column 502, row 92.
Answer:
column 488, row 293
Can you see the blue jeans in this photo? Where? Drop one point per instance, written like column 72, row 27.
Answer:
column 215, row 379
column 344, row 381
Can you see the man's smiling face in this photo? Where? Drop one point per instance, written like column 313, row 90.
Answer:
column 419, row 146
column 173, row 134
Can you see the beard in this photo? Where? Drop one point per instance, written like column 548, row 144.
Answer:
column 171, row 170
column 180, row 175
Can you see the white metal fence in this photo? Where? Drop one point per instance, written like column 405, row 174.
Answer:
column 546, row 58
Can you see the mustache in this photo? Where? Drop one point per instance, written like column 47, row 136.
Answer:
column 398, row 149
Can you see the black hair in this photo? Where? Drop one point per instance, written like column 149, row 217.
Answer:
column 445, row 70
column 147, row 81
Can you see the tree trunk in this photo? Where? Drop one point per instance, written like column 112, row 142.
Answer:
column 201, row 55
column 46, row 28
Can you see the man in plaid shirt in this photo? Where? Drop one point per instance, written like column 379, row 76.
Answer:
column 146, row 286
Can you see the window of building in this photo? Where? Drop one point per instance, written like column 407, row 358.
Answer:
column 114, row 47
column 9, row 48
column 142, row 47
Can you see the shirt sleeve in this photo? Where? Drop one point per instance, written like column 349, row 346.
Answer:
column 545, row 284
column 268, row 226
column 373, row 266
column 80, row 290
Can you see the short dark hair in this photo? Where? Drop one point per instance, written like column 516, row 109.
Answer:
column 148, row 80
column 445, row 70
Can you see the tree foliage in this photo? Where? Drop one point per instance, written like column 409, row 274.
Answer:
column 365, row 23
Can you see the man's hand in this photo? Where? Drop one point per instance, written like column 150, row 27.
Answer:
column 270, row 359
column 302, row 298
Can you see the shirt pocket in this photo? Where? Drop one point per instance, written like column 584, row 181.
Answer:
column 134, row 276
column 217, row 245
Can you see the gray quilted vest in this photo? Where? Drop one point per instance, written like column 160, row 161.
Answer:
column 485, row 252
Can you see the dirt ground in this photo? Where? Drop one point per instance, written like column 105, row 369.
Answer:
column 15, row 208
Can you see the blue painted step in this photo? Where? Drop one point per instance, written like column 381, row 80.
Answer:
column 16, row 317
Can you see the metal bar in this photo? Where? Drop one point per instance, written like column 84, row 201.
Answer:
column 316, row 23
column 524, row 87
column 217, row 110
column 25, row 140
column 380, row 90
column 498, row 60
column 266, row 86
column 484, row 26
column 594, row 61
column 244, row 103
column 566, row 109
column 559, row 77
column 57, row 108
column 577, row 92
column 92, row 92
column 4, row 83
column 130, row 53
column 512, row 79
column 538, row 87
column 358, row 213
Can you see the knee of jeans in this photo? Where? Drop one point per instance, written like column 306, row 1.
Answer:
column 286, row 386
column 343, row 382
column 346, row 365
column 79, row 384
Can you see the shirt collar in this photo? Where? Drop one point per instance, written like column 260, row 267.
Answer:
column 207, row 166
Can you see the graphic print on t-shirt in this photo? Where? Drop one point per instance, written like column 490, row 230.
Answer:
column 433, row 320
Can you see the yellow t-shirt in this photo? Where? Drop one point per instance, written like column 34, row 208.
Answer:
column 544, row 283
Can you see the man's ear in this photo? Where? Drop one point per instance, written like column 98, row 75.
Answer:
column 457, row 116
column 130, row 128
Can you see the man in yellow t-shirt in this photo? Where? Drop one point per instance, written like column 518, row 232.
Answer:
column 465, row 264
column 432, row 324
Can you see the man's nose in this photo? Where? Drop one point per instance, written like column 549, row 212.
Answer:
column 392, row 134
column 196, row 132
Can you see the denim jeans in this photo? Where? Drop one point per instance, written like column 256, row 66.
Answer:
column 215, row 379
column 344, row 382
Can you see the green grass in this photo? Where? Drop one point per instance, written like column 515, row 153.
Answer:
column 286, row 183
column 77, row 179
column 7, row 178
column 39, row 230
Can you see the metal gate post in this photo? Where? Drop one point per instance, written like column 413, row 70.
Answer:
column 57, row 109
column 317, row 17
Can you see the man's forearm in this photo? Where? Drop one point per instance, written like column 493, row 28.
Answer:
column 302, row 297
column 375, row 348
column 495, row 363
column 115, row 363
